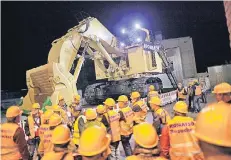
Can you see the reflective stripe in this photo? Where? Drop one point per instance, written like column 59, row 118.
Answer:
column 189, row 144
column 9, row 147
column 186, row 154
column 14, row 151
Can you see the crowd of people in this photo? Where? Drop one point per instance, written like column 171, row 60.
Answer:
column 71, row 132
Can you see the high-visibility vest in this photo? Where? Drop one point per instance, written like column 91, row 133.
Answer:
column 180, row 93
column 33, row 125
column 45, row 144
column 93, row 123
column 153, row 94
column 198, row 90
column 43, row 128
column 76, row 134
column 57, row 155
column 9, row 149
column 140, row 116
column 163, row 115
column 183, row 143
column 137, row 157
column 113, row 120
column 127, row 125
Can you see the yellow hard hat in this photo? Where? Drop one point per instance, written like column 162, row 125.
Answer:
column 155, row 100
column 55, row 120
column 151, row 87
column 145, row 135
column 56, row 107
column 61, row 135
column 222, row 88
column 61, row 98
column 109, row 102
column 77, row 97
column 135, row 95
column 181, row 107
column 48, row 114
column 90, row 114
column 94, row 140
column 213, row 124
column 13, row 111
column 122, row 98
column 101, row 109
column 36, row 106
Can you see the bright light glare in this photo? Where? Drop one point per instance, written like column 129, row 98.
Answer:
column 122, row 44
column 123, row 30
column 137, row 25
column 138, row 39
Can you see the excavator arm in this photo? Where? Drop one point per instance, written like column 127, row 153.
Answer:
column 54, row 78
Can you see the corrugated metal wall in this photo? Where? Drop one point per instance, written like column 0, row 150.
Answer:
column 227, row 5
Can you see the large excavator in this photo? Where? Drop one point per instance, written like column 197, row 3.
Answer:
column 126, row 69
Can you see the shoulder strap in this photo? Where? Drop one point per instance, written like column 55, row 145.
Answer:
column 64, row 156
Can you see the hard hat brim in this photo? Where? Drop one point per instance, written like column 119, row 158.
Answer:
column 100, row 150
column 20, row 113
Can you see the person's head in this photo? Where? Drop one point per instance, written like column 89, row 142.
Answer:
column 122, row 101
column 13, row 114
column 213, row 125
column 94, row 143
column 35, row 108
column 151, row 88
column 61, row 137
column 222, row 92
column 61, row 100
column 56, row 109
column 135, row 96
column 90, row 114
column 180, row 85
column 145, row 135
column 155, row 103
column 109, row 103
column 55, row 120
column 180, row 108
column 47, row 116
column 101, row 109
column 77, row 99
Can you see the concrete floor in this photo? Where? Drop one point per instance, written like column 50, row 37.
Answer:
column 169, row 108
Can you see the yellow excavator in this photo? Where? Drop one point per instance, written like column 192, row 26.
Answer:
column 125, row 68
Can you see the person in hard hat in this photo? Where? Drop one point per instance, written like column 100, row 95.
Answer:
column 160, row 115
column 101, row 110
column 13, row 142
column 94, row 144
column 91, row 117
column 139, row 108
column 181, row 92
column 197, row 98
column 222, row 92
column 45, row 123
column 67, row 111
column 62, row 103
column 204, row 92
column 178, row 139
column 126, row 123
column 75, row 107
column 78, row 125
column 61, row 137
column 111, row 121
column 58, row 110
column 191, row 95
column 213, row 129
column 146, row 143
column 152, row 92
column 46, row 145
column 32, row 126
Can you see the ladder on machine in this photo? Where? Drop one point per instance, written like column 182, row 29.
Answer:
column 167, row 67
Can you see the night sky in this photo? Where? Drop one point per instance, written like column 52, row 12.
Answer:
column 28, row 28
